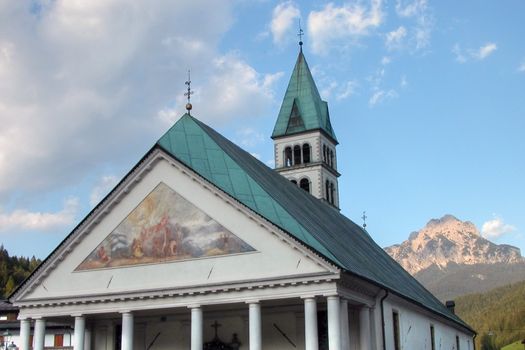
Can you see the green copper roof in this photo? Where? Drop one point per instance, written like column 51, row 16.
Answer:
column 302, row 108
column 298, row 213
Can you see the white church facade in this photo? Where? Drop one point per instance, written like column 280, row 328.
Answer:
column 201, row 246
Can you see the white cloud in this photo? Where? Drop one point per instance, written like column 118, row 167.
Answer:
column 459, row 53
column 496, row 228
column 283, row 18
column 404, row 81
column 485, row 51
column 87, row 83
column 249, row 137
column 348, row 90
column 380, row 96
column 102, row 188
column 386, row 60
column 464, row 55
column 521, row 68
column 335, row 25
column 26, row 220
column 410, row 8
column 394, row 39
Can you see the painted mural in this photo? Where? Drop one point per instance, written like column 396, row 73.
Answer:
column 163, row 227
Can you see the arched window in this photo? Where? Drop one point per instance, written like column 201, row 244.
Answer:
column 294, row 182
column 327, row 191
column 324, row 153
column 305, row 184
column 306, row 153
column 332, row 191
column 331, row 158
column 297, row 155
column 288, row 156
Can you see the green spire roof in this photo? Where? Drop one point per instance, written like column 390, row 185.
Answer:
column 302, row 108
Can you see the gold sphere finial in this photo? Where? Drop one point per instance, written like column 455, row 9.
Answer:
column 188, row 107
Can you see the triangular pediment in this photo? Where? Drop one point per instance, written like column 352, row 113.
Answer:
column 164, row 227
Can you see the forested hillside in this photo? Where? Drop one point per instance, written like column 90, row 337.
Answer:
column 498, row 315
column 13, row 270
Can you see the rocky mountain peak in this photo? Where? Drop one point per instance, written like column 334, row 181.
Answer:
column 449, row 239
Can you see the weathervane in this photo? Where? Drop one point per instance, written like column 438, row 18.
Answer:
column 364, row 219
column 189, row 93
column 300, row 35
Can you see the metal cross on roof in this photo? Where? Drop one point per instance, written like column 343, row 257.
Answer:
column 364, row 219
column 188, row 93
column 300, row 35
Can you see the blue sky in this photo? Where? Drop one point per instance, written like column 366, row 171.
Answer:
column 426, row 98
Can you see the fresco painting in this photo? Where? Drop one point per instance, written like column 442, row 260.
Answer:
column 164, row 227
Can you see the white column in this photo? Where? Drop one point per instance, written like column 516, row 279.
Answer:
column 334, row 323
column 310, row 324
column 255, row 327
column 364, row 328
column 345, row 327
column 196, row 328
column 25, row 334
column 127, row 331
column 40, row 333
column 80, row 328
column 87, row 338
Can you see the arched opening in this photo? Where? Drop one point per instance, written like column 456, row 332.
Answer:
column 306, row 153
column 332, row 191
column 324, row 153
column 288, row 156
column 305, row 184
column 294, row 182
column 297, row 155
column 327, row 191
column 331, row 158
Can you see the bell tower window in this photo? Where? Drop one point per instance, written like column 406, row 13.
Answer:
column 305, row 184
column 288, row 156
column 297, row 155
column 306, row 153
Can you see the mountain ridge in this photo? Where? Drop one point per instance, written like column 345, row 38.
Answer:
column 450, row 240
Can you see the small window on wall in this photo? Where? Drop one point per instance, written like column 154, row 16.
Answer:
column 305, row 184
column 395, row 325
column 288, row 156
column 324, row 153
column 294, row 182
column 432, row 338
column 457, row 343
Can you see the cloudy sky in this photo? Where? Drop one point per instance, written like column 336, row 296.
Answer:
column 426, row 98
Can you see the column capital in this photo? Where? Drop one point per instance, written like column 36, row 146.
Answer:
column 254, row 301
column 194, row 306
column 304, row 297
column 123, row 312
column 77, row 315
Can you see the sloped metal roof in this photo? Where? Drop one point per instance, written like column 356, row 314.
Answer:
column 298, row 213
column 302, row 108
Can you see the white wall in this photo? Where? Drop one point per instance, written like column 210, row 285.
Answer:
column 414, row 327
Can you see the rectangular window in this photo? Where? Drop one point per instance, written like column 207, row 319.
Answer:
column 395, row 323
column 432, row 338
column 59, row 340
column 457, row 342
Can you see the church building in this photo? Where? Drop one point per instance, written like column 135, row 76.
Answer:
column 202, row 246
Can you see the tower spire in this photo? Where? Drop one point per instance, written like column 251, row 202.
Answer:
column 188, row 93
column 300, row 35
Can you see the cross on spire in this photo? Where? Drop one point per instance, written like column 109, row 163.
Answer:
column 188, row 93
column 300, row 35
column 364, row 219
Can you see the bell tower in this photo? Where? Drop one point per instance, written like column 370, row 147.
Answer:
column 304, row 141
